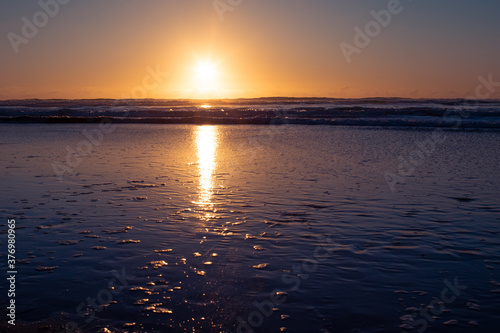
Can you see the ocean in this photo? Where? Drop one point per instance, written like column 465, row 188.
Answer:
column 202, row 219
column 395, row 112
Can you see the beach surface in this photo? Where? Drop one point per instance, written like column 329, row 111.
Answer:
column 240, row 228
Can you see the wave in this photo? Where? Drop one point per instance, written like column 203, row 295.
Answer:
column 395, row 112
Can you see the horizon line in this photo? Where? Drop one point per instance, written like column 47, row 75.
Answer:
column 246, row 98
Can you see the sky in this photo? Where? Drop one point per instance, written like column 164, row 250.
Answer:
column 247, row 48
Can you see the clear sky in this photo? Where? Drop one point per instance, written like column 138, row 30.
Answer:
column 247, row 48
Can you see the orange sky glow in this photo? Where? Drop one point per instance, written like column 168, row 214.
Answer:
column 198, row 49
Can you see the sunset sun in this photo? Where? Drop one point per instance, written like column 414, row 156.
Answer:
column 206, row 76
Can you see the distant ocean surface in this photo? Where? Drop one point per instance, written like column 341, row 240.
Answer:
column 391, row 112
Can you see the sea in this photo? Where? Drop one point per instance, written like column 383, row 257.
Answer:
column 398, row 112
column 263, row 215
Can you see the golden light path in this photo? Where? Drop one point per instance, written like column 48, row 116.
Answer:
column 206, row 143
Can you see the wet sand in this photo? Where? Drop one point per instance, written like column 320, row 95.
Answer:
column 224, row 228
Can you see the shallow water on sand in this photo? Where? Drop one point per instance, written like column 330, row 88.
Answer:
column 166, row 228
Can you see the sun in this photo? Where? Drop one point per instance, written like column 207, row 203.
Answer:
column 206, row 71
column 206, row 75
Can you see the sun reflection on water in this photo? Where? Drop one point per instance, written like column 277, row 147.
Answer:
column 206, row 143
